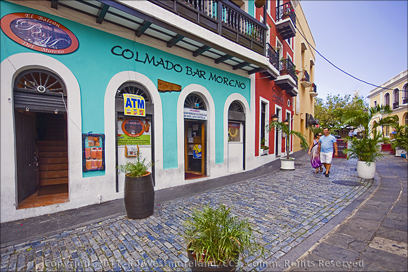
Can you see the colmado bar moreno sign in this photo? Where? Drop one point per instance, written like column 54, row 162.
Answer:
column 39, row 33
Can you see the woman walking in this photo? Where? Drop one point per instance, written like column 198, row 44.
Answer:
column 314, row 152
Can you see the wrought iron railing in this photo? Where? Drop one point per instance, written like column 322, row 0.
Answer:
column 306, row 76
column 405, row 101
column 286, row 66
column 284, row 11
column 273, row 56
column 314, row 87
column 395, row 105
column 222, row 17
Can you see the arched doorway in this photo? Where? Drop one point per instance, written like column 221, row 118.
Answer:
column 40, row 112
column 236, row 137
column 195, row 121
column 133, row 132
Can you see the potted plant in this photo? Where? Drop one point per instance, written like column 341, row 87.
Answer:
column 366, row 149
column 139, row 191
column 264, row 147
column 215, row 239
column 367, row 152
column 284, row 70
column 287, row 12
column 400, row 142
column 260, row 3
column 288, row 163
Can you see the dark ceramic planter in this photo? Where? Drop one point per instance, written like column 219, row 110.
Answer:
column 139, row 196
column 203, row 267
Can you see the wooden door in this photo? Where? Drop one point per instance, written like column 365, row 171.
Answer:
column 27, row 174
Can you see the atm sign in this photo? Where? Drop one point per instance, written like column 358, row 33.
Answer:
column 134, row 105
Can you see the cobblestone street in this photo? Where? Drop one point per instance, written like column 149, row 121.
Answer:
column 284, row 207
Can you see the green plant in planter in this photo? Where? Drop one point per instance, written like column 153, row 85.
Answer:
column 263, row 146
column 217, row 238
column 288, row 132
column 139, row 189
column 400, row 138
column 135, row 169
column 365, row 149
column 385, row 140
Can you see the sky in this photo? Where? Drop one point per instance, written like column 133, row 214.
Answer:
column 367, row 39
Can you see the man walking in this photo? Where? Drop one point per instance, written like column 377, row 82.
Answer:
column 326, row 144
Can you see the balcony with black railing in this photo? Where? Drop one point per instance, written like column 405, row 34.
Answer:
column 286, row 20
column 313, row 90
column 288, row 78
column 288, row 68
column 305, row 79
column 223, row 18
column 395, row 105
column 273, row 56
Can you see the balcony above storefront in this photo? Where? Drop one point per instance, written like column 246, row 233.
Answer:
column 216, row 29
column 305, row 79
column 286, row 20
column 395, row 105
column 313, row 90
column 271, row 72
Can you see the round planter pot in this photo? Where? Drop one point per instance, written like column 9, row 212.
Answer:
column 288, row 164
column 201, row 266
column 139, row 196
column 365, row 171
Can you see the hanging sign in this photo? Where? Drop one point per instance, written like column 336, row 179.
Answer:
column 39, row 33
column 134, row 105
column 195, row 114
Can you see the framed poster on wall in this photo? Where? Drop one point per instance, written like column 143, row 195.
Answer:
column 93, row 152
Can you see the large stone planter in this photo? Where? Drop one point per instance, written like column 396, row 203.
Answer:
column 139, row 196
column 365, row 171
column 288, row 164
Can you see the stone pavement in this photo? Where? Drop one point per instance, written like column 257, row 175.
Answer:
column 290, row 211
column 372, row 238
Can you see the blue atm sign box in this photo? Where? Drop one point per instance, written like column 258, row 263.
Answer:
column 134, row 105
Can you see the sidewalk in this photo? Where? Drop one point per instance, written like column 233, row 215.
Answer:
column 372, row 238
column 291, row 211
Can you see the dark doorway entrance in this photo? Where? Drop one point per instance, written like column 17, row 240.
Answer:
column 41, row 139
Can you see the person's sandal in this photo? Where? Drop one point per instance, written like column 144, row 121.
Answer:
column 327, row 175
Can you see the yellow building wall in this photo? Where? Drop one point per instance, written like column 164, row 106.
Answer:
column 377, row 96
column 304, row 57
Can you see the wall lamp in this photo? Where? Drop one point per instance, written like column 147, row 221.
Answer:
column 274, row 118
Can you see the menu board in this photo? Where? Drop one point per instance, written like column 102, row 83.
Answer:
column 93, row 153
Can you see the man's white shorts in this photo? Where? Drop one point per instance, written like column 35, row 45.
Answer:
column 326, row 157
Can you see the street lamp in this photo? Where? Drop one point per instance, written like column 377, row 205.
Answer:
column 274, row 118
column 286, row 122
